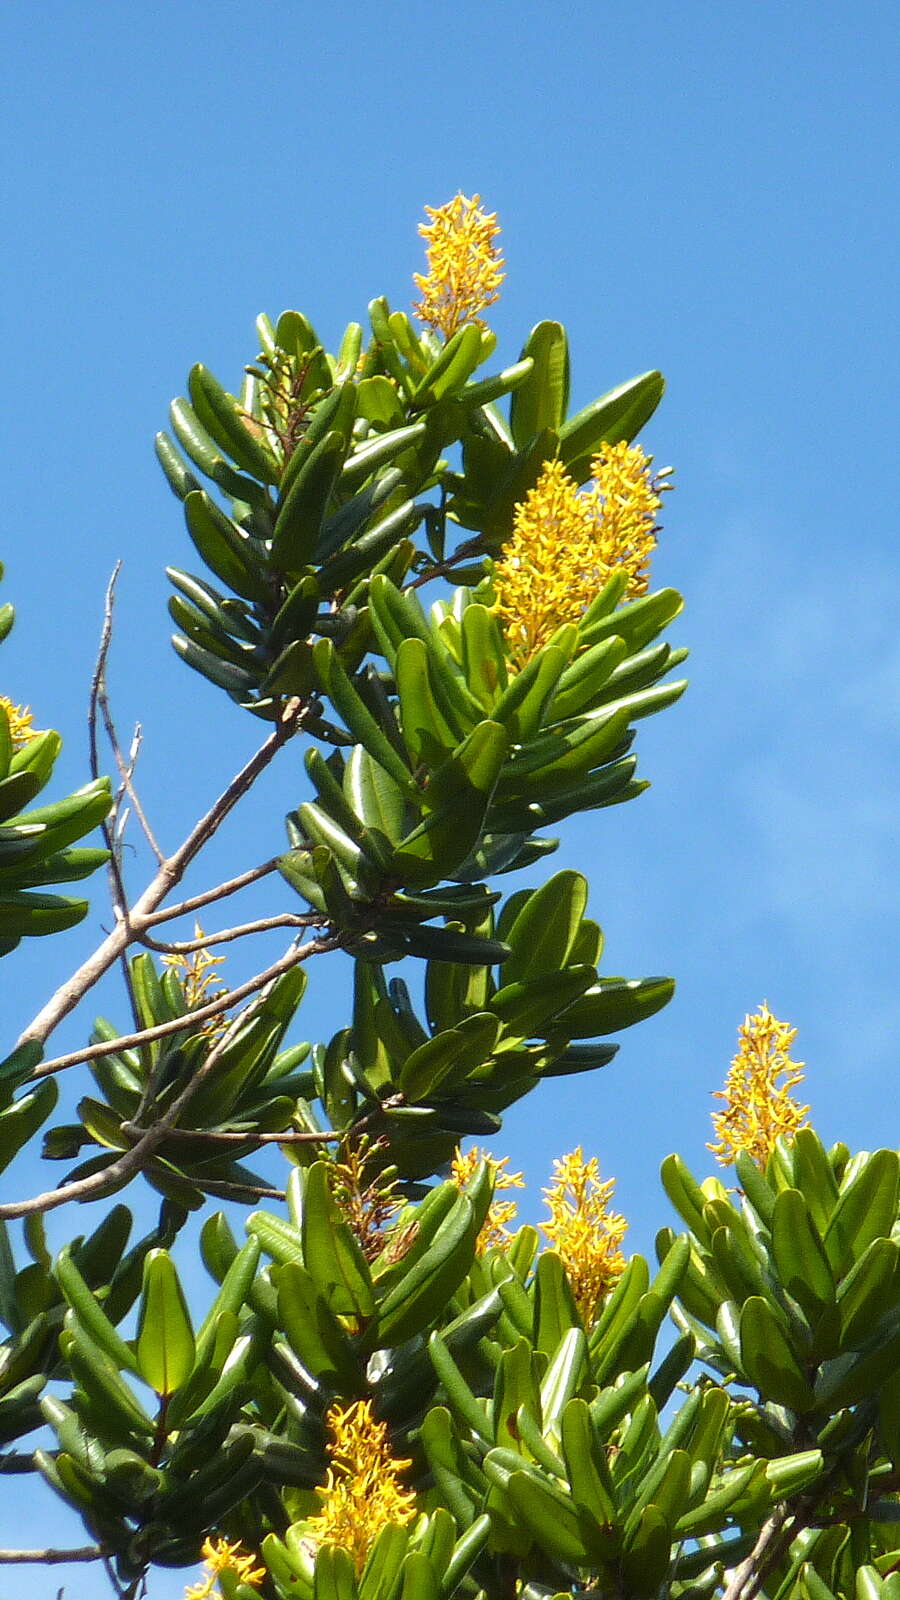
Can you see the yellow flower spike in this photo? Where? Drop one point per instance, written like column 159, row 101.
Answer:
column 548, row 570
column 21, row 723
column 362, row 1492
column 627, row 500
column 368, row 1199
column 566, row 544
column 583, row 1232
column 495, row 1233
column 220, row 1556
column 759, row 1109
column 198, row 979
column 464, row 265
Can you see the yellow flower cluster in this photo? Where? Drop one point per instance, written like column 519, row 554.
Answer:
column 464, row 265
column 566, row 543
column 21, row 723
column 368, row 1198
column 362, row 1492
column 583, row 1232
column 220, row 1556
column 198, row 976
column 495, row 1233
column 759, row 1109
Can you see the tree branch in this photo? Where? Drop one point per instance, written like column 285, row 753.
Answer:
column 172, row 870
column 223, row 1136
column 774, row 1536
column 197, row 901
column 184, row 947
column 109, row 827
column 161, row 1030
column 53, row 1558
column 133, row 1160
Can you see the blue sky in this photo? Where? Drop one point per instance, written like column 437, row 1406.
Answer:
column 707, row 189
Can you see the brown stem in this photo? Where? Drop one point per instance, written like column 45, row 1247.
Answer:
column 133, row 1160
column 184, row 947
column 774, row 1536
column 53, row 1558
column 223, row 1136
column 195, row 902
column 171, row 871
column 471, row 547
column 161, row 1030
column 109, row 826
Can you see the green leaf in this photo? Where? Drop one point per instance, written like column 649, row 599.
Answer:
column 302, row 512
column 542, row 400
column 331, row 1253
column 551, row 1517
column 165, row 1341
column 432, row 1277
column 544, row 931
column 426, row 733
column 556, row 1316
column 222, row 417
column 225, row 550
column 592, row 1487
column 20, row 1121
column 799, row 1257
column 314, row 1332
column 769, row 1360
column 647, row 1555
column 355, row 713
column 458, row 359
column 615, row 1003
column 617, row 416
column 451, row 1054
column 868, row 1292
column 866, row 1209
column 86, row 1307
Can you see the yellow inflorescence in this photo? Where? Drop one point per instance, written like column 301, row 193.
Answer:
column 566, row 543
column 627, row 499
column 198, row 975
column 464, row 265
column 367, row 1197
column 220, row 1556
column 362, row 1492
column 21, row 723
column 583, row 1232
column 495, row 1233
column 759, row 1109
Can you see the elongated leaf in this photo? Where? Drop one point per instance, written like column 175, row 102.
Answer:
column 165, row 1341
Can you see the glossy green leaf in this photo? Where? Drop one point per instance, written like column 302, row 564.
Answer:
column 165, row 1342
column 541, row 401
column 618, row 415
column 331, row 1253
column 769, row 1360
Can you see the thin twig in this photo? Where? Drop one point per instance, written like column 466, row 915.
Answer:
column 196, row 901
column 133, row 1160
column 749, row 1575
column 126, row 772
column 440, row 569
column 223, row 1136
column 53, row 1558
column 241, row 1192
column 171, row 872
column 109, row 827
column 161, row 1030
column 184, row 947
